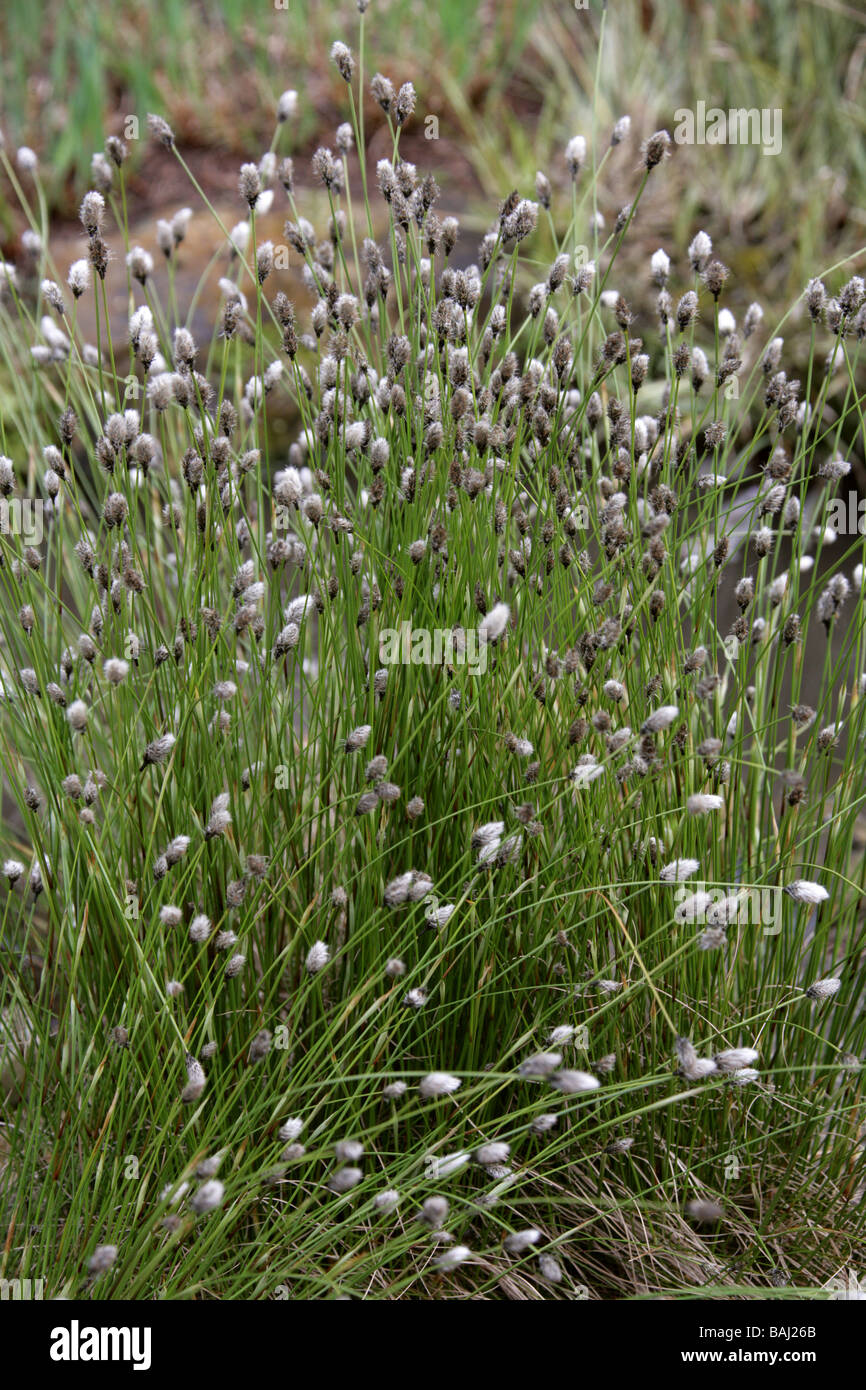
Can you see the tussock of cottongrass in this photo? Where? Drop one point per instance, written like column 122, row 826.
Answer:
column 576, row 482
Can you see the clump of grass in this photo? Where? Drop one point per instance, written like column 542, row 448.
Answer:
column 339, row 963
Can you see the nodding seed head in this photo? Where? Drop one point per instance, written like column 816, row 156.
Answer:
column 260, row 1045
column 678, row 870
column 752, row 320
column 656, row 148
column 116, row 150
column 434, row 1212
column 735, row 1058
column 324, row 167
column 200, row 928
column 264, row 261
column 573, row 1082
column 437, row 1084
column 620, row 130
column 342, row 56
column 208, row 1197
column 494, row 623
column 77, row 714
column 102, row 1259
column 53, row 295
column 687, row 310
column 220, row 817
column 196, row 1080
column 519, row 1241
column 714, row 276
column 703, row 802
column 550, row 1268
column 660, row 719
column 79, row 278
column 575, row 155
column 160, row 130
column 382, row 89
column 358, row 738
column 823, row 989
column 317, row 957
column 816, row 299
column 345, row 1179
column 287, row 105
column 140, row 264
column 92, row 213
column 700, row 250
column 803, row 890
column 249, row 183
column 184, row 348
column 704, row 1211
column 404, row 106
column 176, row 849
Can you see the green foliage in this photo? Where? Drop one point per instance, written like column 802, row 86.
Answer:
column 551, row 461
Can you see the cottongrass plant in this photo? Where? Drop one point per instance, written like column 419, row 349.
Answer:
column 451, row 970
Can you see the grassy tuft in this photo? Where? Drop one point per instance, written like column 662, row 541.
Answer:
column 433, row 849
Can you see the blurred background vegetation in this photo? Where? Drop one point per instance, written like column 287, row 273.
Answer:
column 509, row 82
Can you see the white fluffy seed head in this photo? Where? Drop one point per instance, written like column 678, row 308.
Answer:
column 678, row 870
column 102, row 1259
column 208, row 1197
column 453, row 1257
column 519, row 1241
column 77, row 714
column 497, row 1152
column 693, row 908
column 196, row 1080
column 317, row 957
column 200, row 928
column 735, row 1058
column 824, row 989
column 345, row 1179
column 494, row 623
column 562, row 1035
column 439, row 1083
column 660, row 719
column 387, row 1200
column 803, row 890
column 287, row 105
column 702, row 803
column 573, row 1082
column 541, row 1064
